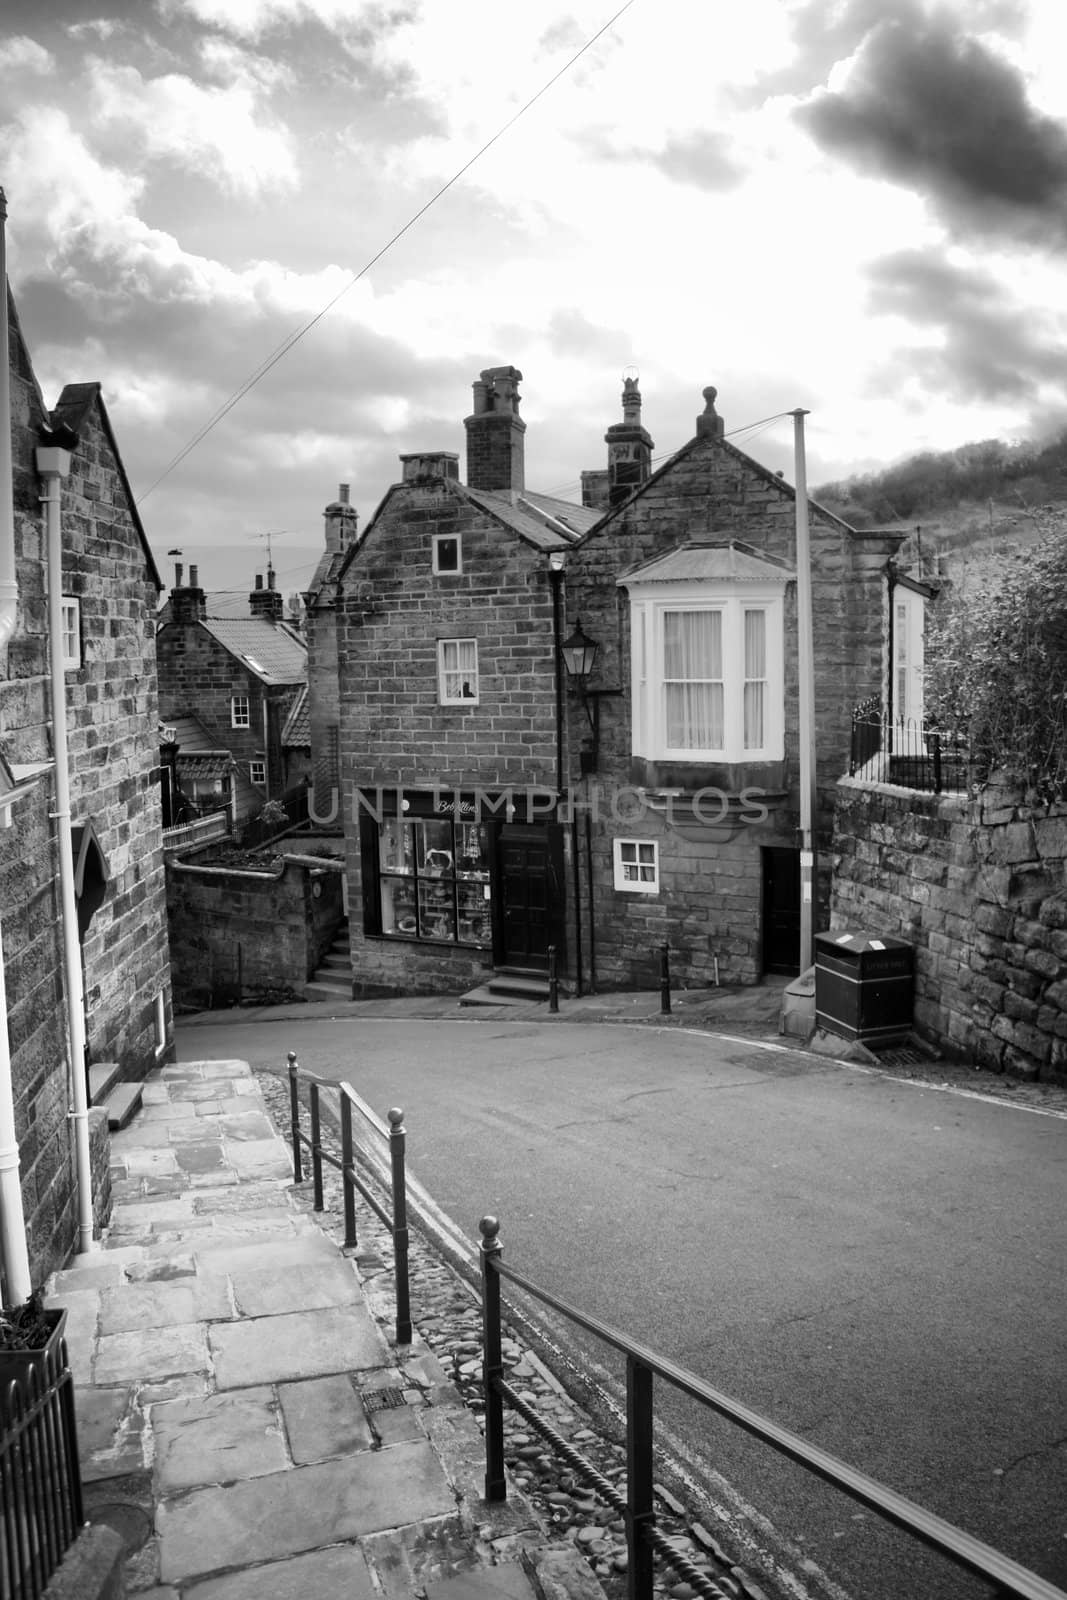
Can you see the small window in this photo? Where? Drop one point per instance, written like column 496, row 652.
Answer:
column 257, row 771
column 637, row 865
column 457, row 671
column 447, row 554
column 71, row 644
column 240, row 713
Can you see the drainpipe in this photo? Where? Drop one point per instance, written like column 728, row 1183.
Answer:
column 53, row 464
column 12, row 1220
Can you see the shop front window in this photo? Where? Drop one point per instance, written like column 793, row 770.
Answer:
column 433, row 880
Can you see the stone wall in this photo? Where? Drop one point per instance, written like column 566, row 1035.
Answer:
column 249, row 936
column 979, row 888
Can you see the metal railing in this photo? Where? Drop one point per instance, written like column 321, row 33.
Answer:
column 908, row 753
column 395, row 1135
column 40, row 1486
column 643, row 1539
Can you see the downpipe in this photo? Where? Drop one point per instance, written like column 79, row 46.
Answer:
column 53, row 464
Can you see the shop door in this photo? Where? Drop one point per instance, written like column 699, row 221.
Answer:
column 524, row 880
column 781, row 911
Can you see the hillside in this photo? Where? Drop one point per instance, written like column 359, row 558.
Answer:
column 977, row 499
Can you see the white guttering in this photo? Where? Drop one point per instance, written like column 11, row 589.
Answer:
column 12, row 1221
column 53, row 464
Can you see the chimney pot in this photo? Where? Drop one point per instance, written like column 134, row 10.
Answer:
column 194, row 580
column 259, row 580
column 342, row 493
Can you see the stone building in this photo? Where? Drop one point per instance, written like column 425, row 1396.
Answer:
column 688, row 786
column 496, row 806
column 451, row 744
column 240, row 677
column 107, row 982
column 320, row 621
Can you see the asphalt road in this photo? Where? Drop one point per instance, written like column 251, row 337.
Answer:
column 876, row 1265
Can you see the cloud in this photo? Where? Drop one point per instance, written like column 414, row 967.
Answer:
column 989, row 348
column 701, row 159
column 927, row 106
column 204, row 129
column 25, row 55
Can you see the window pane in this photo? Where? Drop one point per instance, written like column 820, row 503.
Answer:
column 474, row 923
column 437, row 913
column 695, row 716
column 434, row 849
column 398, row 907
column 755, row 678
column 472, row 851
column 692, row 644
column 396, row 848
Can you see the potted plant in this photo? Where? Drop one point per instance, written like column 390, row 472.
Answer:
column 30, row 1337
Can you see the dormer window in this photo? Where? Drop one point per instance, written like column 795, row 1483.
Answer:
column 447, row 555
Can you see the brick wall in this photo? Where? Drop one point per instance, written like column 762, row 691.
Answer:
column 978, row 887
column 112, row 725
column 710, row 903
column 248, row 935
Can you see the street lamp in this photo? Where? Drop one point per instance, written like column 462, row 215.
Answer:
column 579, row 654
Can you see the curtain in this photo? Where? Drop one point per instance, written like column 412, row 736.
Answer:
column 693, row 680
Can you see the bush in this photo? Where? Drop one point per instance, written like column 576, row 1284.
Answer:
column 996, row 663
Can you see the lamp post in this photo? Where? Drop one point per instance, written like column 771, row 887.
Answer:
column 579, row 654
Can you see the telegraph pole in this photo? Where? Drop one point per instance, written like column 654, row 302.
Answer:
column 806, row 696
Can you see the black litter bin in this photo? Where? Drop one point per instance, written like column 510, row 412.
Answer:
column 864, row 987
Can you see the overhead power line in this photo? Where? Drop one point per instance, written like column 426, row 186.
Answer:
column 282, row 350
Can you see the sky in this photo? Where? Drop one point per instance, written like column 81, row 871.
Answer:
column 857, row 207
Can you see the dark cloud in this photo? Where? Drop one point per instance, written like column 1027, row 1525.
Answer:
column 571, row 334
column 991, row 348
column 703, row 160
column 935, row 110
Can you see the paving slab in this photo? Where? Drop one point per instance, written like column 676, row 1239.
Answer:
column 265, row 1292
column 208, row 1530
column 259, row 1158
column 151, row 1354
column 324, row 1417
column 160, row 1305
column 340, row 1571
column 217, row 1438
column 301, row 1344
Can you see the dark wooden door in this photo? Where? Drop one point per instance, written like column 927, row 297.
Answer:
column 524, row 882
column 781, row 911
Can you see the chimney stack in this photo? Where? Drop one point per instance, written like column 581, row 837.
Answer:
column 187, row 604
column 630, row 447
column 495, row 448
column 266, row 602
column 342, row 521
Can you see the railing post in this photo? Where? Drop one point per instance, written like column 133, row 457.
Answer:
column 397, row 1147
column 640, row 1506
column 553, row 980
column 347, row 1166
column 294, row 1115
column 935, row 751
column 316, row 1147
column 496, row 1486
column 665, row 978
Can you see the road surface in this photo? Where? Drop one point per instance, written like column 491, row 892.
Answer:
column 875, row 1265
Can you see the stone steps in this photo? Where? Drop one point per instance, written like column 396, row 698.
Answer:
column 332, row 978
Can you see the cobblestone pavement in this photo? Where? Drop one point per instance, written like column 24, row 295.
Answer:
column 447, row 1314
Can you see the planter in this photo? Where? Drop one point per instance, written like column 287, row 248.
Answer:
column 43, row 1359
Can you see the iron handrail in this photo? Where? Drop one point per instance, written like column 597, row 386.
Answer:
column 1008, row 1577
column 396, row 1134
column 41, row 1508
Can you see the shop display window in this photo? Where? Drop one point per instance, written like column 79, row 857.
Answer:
column 433, row 880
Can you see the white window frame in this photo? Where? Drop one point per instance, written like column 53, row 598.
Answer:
column 449, row 538
column 71, row 637
column 649, row 604
column 240, row 718
column 260, row 767
column 636, row 863
column 450, row 671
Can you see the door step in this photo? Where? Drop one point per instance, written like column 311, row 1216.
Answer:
column 122, row 1104
column 509, row 987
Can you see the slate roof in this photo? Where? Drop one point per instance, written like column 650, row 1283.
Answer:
column 703, row 561
column 297, row 729
column 270, row 649
column 193, row 737
column 540, row 519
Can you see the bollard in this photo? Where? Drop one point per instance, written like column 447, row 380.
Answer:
column 665, row 978
column 553, row 980
column 294, row 1115
column 397, row 1147
column 496, row 1485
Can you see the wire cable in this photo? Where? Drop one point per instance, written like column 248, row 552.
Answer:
column 294, row 338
